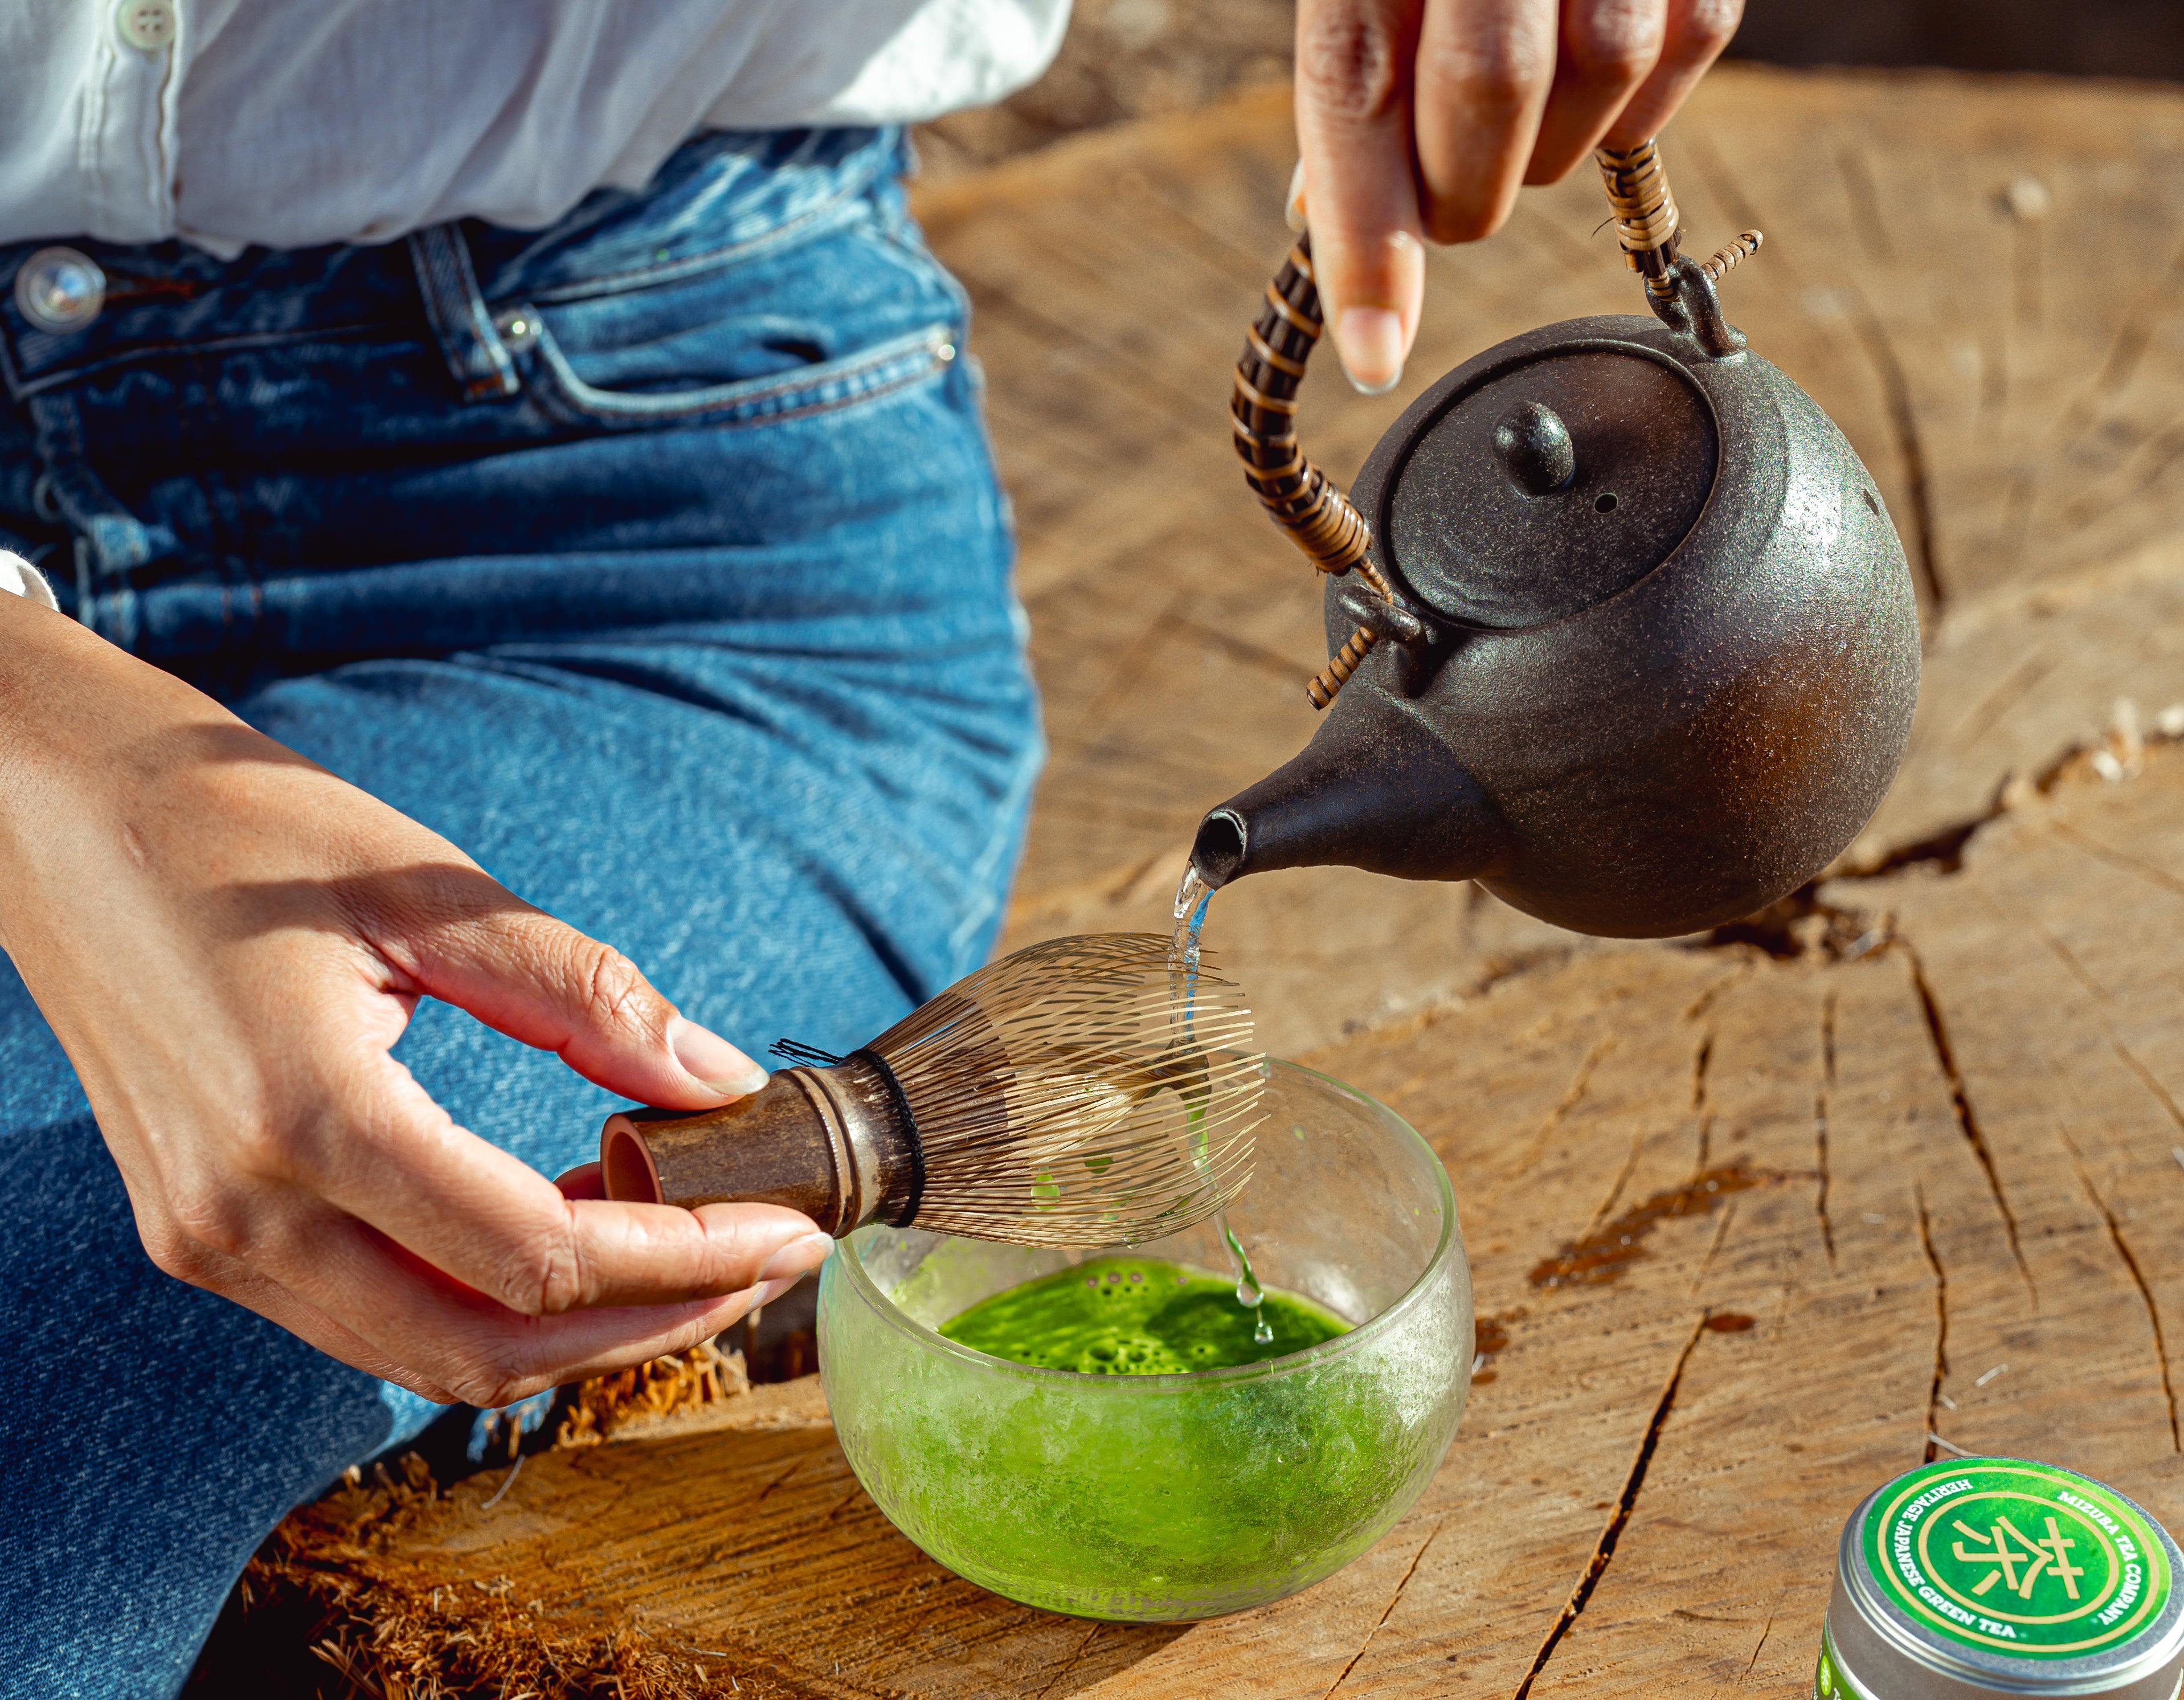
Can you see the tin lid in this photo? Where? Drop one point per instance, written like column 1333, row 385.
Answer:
column 2003, row 1576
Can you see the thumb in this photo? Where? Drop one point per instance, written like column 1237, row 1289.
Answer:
column 524, row 973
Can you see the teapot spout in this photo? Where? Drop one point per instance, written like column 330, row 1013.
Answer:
column 1388, row 797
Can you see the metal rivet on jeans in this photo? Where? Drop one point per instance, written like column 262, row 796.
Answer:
column 59, row 289
column 519, row 328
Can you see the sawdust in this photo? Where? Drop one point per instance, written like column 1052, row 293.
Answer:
column 389, row 1627
column 666, row 1387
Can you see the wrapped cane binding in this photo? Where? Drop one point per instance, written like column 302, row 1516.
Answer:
column 1300, row 498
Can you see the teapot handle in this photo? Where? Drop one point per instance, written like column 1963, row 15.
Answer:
column 1651, row 230
column 1302, row 500
column 1304, row 503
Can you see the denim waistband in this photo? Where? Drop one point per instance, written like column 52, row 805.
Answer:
column 716, row 199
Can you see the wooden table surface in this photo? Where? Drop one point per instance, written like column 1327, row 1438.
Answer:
column 1754, row 1224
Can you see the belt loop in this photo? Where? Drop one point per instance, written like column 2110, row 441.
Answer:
column 477, row 359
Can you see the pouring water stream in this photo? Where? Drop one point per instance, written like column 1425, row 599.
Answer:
column 1193, row 897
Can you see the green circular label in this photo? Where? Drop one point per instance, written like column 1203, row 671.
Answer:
column 2016, row 1558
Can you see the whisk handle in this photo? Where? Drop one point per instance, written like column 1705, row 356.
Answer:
column 830, row 1142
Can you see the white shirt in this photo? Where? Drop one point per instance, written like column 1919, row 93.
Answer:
column 295, row 122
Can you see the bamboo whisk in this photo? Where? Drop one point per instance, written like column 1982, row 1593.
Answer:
column 1056, row 1097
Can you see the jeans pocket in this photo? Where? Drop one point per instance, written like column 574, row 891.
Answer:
column 816, row 387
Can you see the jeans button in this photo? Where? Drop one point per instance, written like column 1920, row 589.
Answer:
column 60, row 289
column 147, row 24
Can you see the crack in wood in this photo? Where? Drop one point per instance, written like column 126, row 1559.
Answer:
column 2138, row 1280
column 1603, row 1551
column 2130, row 344
column 1137, row 661
column 1943, row 849
column 1910, row 449
column 1075, row 1659
column 1865, row 205
column 1705, row 1000
column 1759, row 1649
column 1941, row 1321
column 1571, row 1095
column 780, row 1479
column 2063, row 954
column 1389, row 1609
column 2160, row 878
column 2003, row 697
column 1713, row 1246
column 1820, row 1121
column 1622, row 1180
column 1242, row 651
column 2146, row 1078
column 1700, row 1061
column 1968, row 1124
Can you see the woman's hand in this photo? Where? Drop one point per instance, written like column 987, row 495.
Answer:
column 1419, row 119
column 228, row 941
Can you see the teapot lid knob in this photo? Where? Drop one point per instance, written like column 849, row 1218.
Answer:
column 1535, row 449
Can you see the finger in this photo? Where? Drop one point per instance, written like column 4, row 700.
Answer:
column 519, row 971
column 1353, row 117
column 378, row 1148
column 486, row 1354
column 551, row 986
column 1696, row 32
column 1485, row 69
column 1606, row 49
column 403, row 1323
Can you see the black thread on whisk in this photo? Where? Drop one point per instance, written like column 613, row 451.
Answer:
column 794, row 1050
column 917, row 1144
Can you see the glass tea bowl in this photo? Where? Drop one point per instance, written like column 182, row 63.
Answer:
column 1165, row 1498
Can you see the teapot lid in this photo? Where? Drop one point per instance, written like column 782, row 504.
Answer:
column 1546, row 486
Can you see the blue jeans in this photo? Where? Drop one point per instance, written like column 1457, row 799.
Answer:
column 657, row 561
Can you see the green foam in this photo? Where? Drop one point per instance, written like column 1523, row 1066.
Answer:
column 1138, row 1316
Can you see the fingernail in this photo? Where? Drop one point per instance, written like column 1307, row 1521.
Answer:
column 1293, row 208
column 713, row 1060
column 800, row 1257
column 1370, row 340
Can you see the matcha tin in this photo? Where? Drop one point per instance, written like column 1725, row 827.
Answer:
column 1982, row 1576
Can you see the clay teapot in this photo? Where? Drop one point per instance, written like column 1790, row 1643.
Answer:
column 1625, row 632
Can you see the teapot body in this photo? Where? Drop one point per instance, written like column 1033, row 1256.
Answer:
column 1646, row 701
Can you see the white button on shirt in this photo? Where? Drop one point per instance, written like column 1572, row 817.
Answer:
column 296, row 122
column 147, row 24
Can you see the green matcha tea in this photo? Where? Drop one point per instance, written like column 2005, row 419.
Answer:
column 1139, row 1316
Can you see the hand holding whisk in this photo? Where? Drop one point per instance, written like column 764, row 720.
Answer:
column 1060, row 1097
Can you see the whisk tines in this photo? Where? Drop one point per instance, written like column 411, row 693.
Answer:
column 1064, row 1098
column 795, row 1051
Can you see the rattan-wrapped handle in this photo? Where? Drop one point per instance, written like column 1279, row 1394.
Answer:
column 1300, row 498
